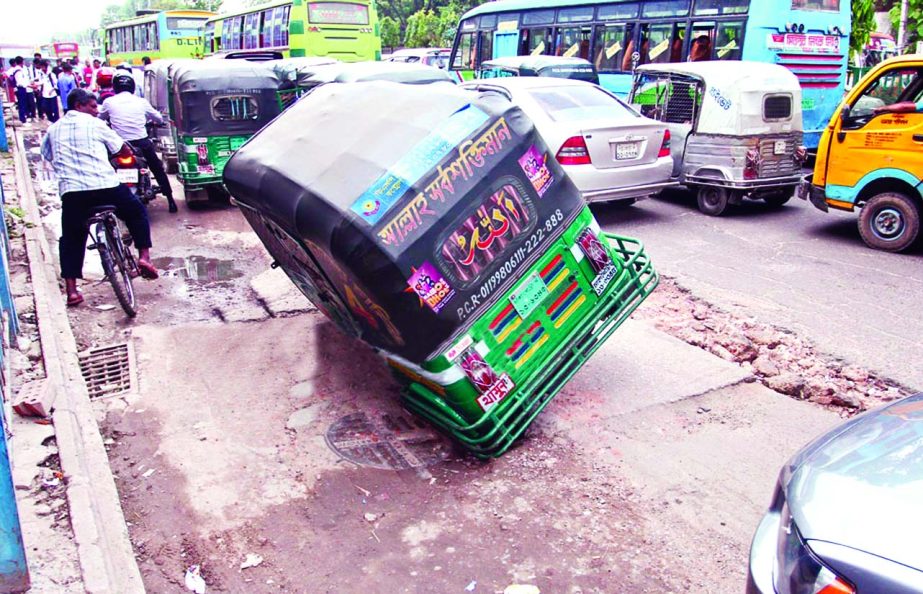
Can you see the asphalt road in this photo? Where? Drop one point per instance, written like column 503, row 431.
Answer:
column 795, row 267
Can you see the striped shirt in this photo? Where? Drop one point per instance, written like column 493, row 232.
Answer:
column 78, row 147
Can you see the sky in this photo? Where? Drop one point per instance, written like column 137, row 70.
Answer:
column 33, row 22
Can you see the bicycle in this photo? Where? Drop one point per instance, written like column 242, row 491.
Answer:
column 118, row 262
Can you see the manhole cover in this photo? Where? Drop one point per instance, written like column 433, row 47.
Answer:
column 107, row 370
column 390, row 442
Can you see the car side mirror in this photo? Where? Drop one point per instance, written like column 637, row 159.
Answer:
column 844, row 112
column 844, row 117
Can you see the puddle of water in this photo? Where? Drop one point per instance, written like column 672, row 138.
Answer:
column 198, row 269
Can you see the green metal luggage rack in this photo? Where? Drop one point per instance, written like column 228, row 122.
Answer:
column 499, row 427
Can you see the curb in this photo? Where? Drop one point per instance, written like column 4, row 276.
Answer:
column 107, row 561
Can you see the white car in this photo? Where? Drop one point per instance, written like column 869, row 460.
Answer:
column 610, row 151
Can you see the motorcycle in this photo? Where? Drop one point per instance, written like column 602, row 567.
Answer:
column 133, row 172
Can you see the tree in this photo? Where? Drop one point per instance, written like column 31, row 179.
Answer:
column 423, row 30
column 914, row 32
column 390, row 32
column 863, row 23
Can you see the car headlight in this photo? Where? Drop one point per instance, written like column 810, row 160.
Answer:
column 798, row 571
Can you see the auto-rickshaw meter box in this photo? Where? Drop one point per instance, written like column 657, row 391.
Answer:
column 434, row 224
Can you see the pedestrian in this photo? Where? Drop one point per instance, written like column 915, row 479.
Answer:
column 94, row 86
column 35, row 74
column 87, row 74
column 9, row 82
column 48, row 90
column 25, row 100
column 128, row 115
column 78, row 148
column 67, row 82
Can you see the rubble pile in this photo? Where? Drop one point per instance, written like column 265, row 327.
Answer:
column 777, row 357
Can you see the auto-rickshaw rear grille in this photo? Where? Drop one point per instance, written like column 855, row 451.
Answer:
column 773, row 165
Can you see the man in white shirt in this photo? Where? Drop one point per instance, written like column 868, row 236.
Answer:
column 35, row 75
column 25, row 100
column 48, row 91
column 128, row 115
column 78, row 147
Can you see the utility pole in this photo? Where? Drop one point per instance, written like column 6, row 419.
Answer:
column 902, row 28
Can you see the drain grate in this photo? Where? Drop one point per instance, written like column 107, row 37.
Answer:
column 386, row 441
column 107, row 370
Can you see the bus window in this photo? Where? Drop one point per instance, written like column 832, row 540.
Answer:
column 665, row 8
column 210, row 38
column 285, row 14
column 576, row 15
column 488, row 21
column 832, row 5
column 574, row 42
column 716, row 7
column 487, row 45
column 155, row 37
column 729, row 44
column 251, row 31
column 703, row 40
column 536, row 42
column 277, row 26
column 610, row 44
column 337, row 13
column 267, row 28
column 611, row 12
column 538, row 17
column 660, row 44
column 465, row 57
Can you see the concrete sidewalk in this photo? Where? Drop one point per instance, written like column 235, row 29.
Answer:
column 104, row 550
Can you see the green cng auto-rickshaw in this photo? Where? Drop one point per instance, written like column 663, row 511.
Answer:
column 436, row 225
column 216, row 106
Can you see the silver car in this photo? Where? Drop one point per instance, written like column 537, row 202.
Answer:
column 609, row 150
column 847, row 514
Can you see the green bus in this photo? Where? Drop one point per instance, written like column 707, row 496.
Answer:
column 165, row 34
column 346, row 31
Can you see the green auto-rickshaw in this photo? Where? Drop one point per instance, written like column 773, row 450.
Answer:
column 216, row 106
column 436, row 225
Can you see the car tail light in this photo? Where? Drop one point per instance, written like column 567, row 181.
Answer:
column 801, row 154
column 574, row 152
column 125, row 161
column 599, row 259
column 752, row 167
column 665, row 146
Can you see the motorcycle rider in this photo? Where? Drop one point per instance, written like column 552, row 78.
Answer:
column 128, row 115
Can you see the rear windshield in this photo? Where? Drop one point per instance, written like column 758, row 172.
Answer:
column 178, row 23
column 337, row 13
column 234, row 108
column 567, row 104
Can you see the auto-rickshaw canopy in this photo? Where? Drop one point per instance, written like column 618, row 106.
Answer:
column 223, row 97
column 371, row 195
column 731, row 97
column 554, row 66
column 399, row 72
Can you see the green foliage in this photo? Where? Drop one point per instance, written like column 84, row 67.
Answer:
column 914, row 22
column 425, row 23
column 390, row 32
column 863, row 23
column 423, row 29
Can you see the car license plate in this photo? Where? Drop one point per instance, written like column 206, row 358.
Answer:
column 626, row 150
column 529, row 296
column 127, row 176
column 779, row 148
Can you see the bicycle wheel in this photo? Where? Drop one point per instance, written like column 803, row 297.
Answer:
column 111, row 253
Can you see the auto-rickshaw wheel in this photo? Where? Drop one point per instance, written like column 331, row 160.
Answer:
column 713, row 200
column 171, row 165
column 889, row 222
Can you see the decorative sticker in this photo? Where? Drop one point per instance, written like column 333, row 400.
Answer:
column 478, row 370
column 431, row 287
column 459, row 347
column 472, row 157
column 388, row 189
column 535, row 165
column 599, row 260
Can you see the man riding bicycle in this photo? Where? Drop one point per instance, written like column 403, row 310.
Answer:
column 128, row 115
column 78, row 147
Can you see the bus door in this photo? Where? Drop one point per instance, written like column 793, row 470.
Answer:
column 506, row 43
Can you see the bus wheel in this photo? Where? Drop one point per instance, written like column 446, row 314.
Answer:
column 712, row 200
column 889, row 222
